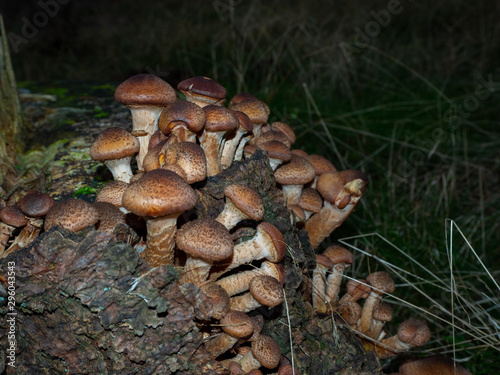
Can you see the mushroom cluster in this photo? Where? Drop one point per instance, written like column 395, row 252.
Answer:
column 178, row 144
column 368, row 320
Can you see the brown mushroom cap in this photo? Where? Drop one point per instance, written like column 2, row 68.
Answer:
column 323, row 261
column 381, row 282
column 310, row 200
column 159, row 193
column 237, row 324
column 206, row 239
column 145, row 90
column 13, row 216
column 278, row 241
column 266, row 290
column 433, row 365
column 285, row 129
column 297, row 172
column 329, row 185
column 220, row 119
column 350, row 312
column 275, row 150
column 203, row 88
column 109, row 217
column 321, row 164
column 414, row 332
column 112, row 193
column 244, row 121
column 339, row 254
column 114, row 143
column 246, row 200
column 240, row 97
column 267, row 351
column 300, row 153
column 36, row 204
column 190, row 157
column 255, row 109
column 73, row 214
column 273, row 135
column 220, row 299
column 383, row 312
column 181, row 111
column 359, row 288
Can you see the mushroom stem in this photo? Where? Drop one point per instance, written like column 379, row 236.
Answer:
column 145, row 120
column 238, row 155
column 367, row 313
column 120, row 168
column 333, row 283
column 211, row 143
column 320, row 225
column 291, row 193
column 195, row 271
column 160, row 240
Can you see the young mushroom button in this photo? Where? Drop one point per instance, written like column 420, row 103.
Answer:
column 264, row 291
column 159, row 196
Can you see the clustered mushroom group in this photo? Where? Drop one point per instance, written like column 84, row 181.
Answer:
column 178, row 144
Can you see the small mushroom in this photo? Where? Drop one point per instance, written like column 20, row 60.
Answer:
column 11, row 217
column 181, row 120
column 242, row 203
column 265, row 352
column 115, row 148
column 237, row 141
column 335, row 212
column 319, row 298
column 381, row 283
column 411, row 333
column 264, row 290
column 204, row 241
column 240, row 282
column 145, row 95
column 267, row 243
column 220, row 121
column 292, row 176
column 159, row 196
column 236, row 325
column 341, row 259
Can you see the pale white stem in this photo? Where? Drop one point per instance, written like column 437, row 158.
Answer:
column 238, row 155
column 291, row 193
column 231, row 215
column 120, row 168
column 145, row 123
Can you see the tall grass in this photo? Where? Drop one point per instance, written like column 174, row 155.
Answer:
column 377, row 111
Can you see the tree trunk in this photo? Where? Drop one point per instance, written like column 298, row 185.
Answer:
column 10, row 109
